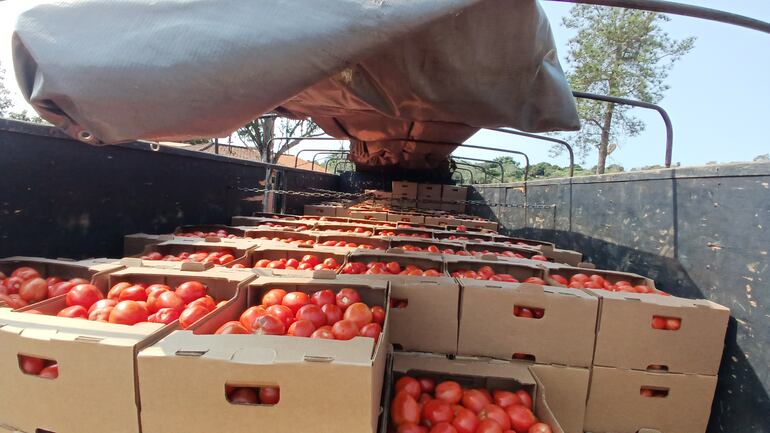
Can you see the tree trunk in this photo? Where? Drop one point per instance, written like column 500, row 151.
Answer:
column 605, row 140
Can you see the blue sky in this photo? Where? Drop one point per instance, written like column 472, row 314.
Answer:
column 719, row 99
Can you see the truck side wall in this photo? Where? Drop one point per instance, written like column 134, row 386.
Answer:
column 699, row 232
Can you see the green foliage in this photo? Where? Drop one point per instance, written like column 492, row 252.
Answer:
column 26, row 117
column 618, row 52
column 262, row 132
column 5, row 95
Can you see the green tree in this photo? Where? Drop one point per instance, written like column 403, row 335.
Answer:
column 5, row 95
column 263, row 133
column 618, row 52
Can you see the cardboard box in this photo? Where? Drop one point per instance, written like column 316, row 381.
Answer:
column 625, row 337
column 508, row 240
column 369, row 215
column 373, row 243
column 326, row 386
column 569, row 257
column 321, row 210
column 406, row 217
column 281, row 252
column 464, row 236
column 454, row 193
column 425, row 303
column 403, row 204
column 404, row 190
column 94, row 356
column 342, row 212
column 403, row 259
column 277, row 216
column 519, row 271
column 565, row 334
column 616, row 403
column 478, row 249
column 559, row 392
column 136, row 243
column 404, row 243
column 453, row 208
column 404, row 232
column 429, row 196
column 611, row 276
column 237, row 247
column 479, row 224
column 273, row 224
column 209, row 230
column 282, row 236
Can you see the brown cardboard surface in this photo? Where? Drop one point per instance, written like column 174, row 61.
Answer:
column 494, row 247
column 404, row 190
column 454, row 208
column 520, row 270
column 471, row 236
column 429, row 323
column 94, row 356
column 611, row 276
column 369, row 215
column 278, row 235
column 277, row 252
column 521, row 241
column 315, row 376
column 400, row 241
column 564, row 335
column 403, row 205
column 562, row 408
column 405, row 232
column 406, row 217
column 262, row 223
column 424, row 261
column 135, row 243
column 206, row 228
column 626, row 339
column 320, row 210
column 454, row 193
column 572, row 258
column 615, row 404
column 429, row 191
column 376, row 242
column 238, row 248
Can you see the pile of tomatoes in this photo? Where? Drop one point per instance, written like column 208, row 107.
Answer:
column 322, row 314
column 487, row 273
column 274, row 226
column 422, row 406
column 432, row 249
column 332, row 243
column 358, row 230
column 290, row 240
column 464, row 239
column 511, row 254
column 26, row 286
column 221, row 233
column 44, row 368
column 666, row 323
column 267, row 396
column 595, row 281
column 404, row 234
column 389, row 268
column 309, row 262
column 131, row 303
column 221, row 257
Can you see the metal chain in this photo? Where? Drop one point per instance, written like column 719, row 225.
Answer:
column 322, row 193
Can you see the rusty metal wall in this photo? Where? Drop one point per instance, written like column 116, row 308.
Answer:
column 699, row 232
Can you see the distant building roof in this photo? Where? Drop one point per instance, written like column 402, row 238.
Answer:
column 247, row 153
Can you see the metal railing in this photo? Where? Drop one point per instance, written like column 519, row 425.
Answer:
column 544, row 138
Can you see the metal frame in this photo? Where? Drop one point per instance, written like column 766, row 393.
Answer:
column 296, row 157
column 338, row 162
column 484, row 170
column 544, row 138
column 462, row 178
column 326, row 152
column 502, row 169
column 470, row 174
column 681, row 9
column 640, row 104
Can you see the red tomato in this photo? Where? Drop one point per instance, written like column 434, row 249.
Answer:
column 443, row 427
column 378, row 314
column 74, row 312
column 525, row 398
column 115, row 291
column 372, row 330
column 449, row 391
column 128, row 313
column 323, row 297
column 489, row 426
column 192, row 314
column 13, row 284
column 427, row 385
column 283, row 313
column 269, row 395
column 410, row 427
column 559, row 279
column 263, row 263
column 165, row 300
column 167, row 315
column 410, row 385
column 84, row 295
column 345, row 330
column 393, row 267
column 437, row 411
column 521, row 418
column 102, row 303
column 331, row 263
column 333, row 313
column 658, row 322
column 273, row 297
column 314, row 314
column 206, row 302
column 311, row 260
column 673, row 324
column 50, row 372
column 505, row 398
column 324, row 332
column 25, row 273
column 31, row 365
column 497, row 414
column 475, row 400
column 535, row 280
column 540, row 428
column 33, row 290
column 244, row 396
column 190, row 291
column 267, row 324
column 295, row 301
column 347, row 297
column 404, row 408
column 133, row 293
column 157, row 289
column 59, row 289
column 301, row 328
column 250, row 315
column 100, row 314
column 232, row 328
column 465, row 421
column 359, row 313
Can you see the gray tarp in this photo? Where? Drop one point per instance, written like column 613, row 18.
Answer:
column 381, row 72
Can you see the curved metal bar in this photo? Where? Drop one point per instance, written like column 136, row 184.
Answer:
column 502, row 169
column 682, row 9
column 545, row 138
column 330, row 161
column 486, row 175
column 470, row 174
column 341, row 163
column 326, row 152
column 640, row 104
column 462, row 178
